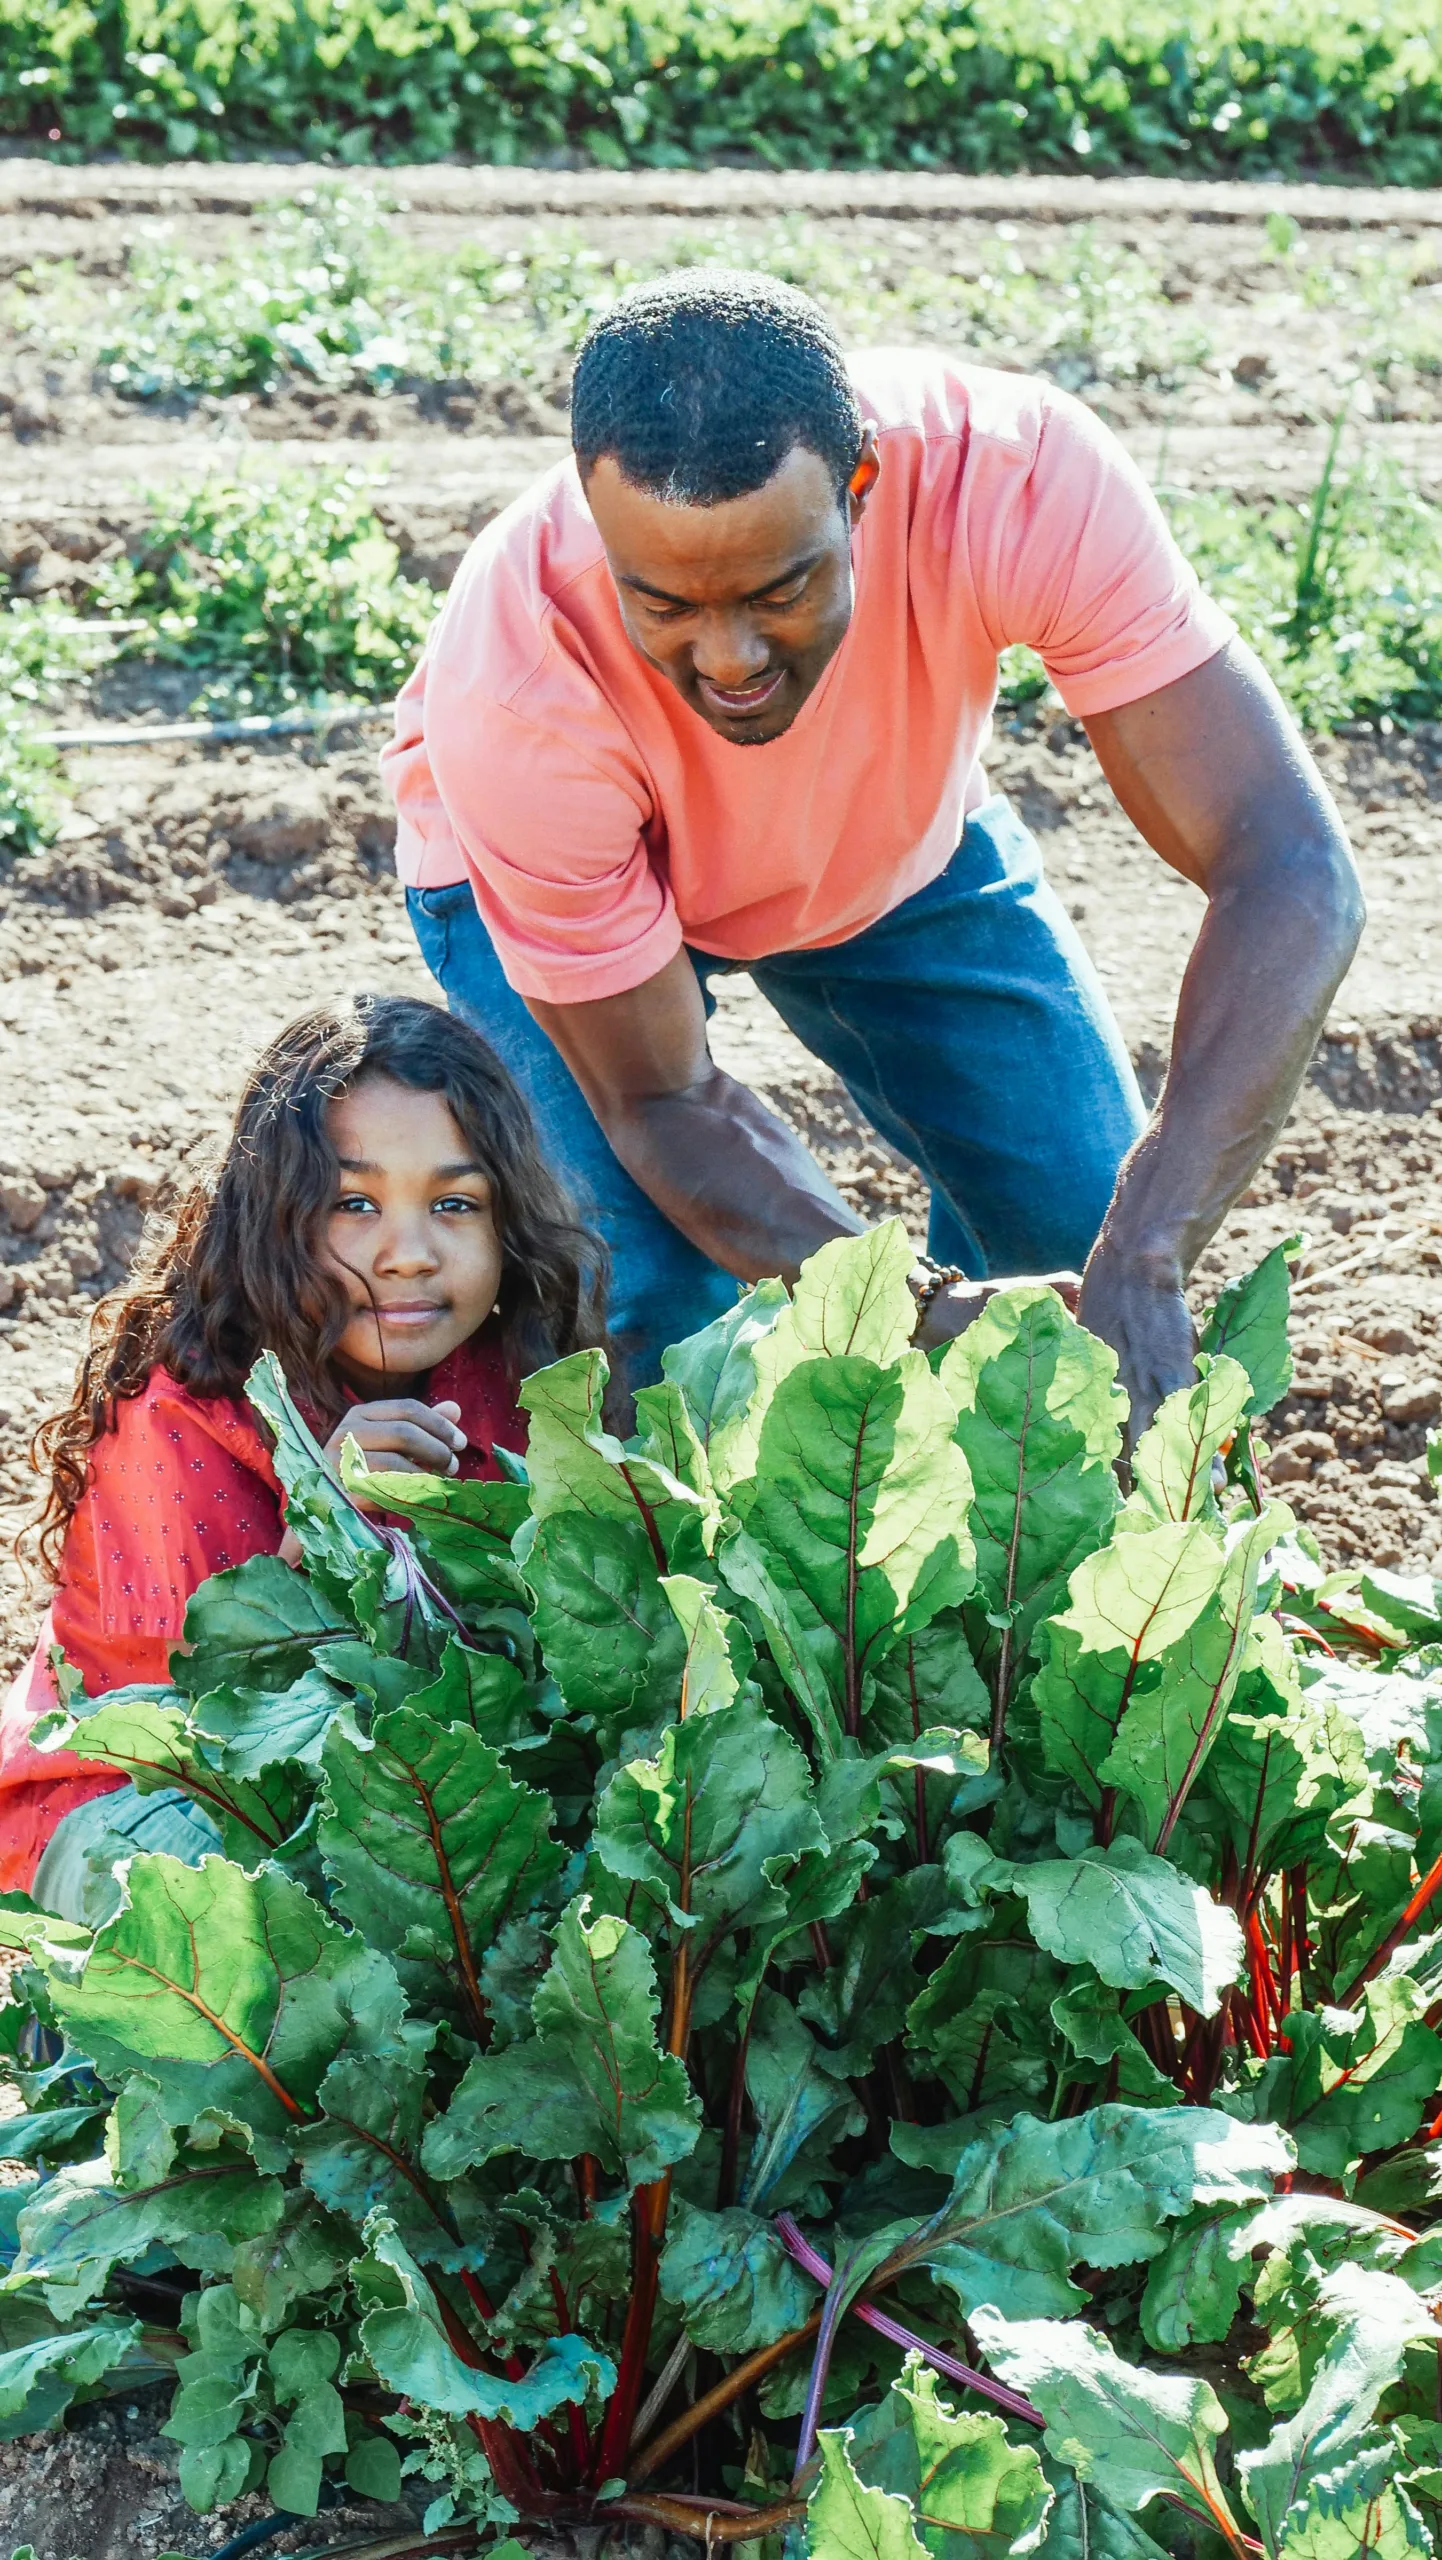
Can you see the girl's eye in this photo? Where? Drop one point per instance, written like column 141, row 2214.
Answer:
column 353, row 1204
column 461, row 1200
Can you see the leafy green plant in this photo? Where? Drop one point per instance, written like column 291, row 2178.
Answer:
column 990, row 84
column 43, row 652
column 823, row 1942
column 283, row 583
column 336, row 296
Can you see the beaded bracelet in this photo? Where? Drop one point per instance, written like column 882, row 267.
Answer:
column 939, row 1275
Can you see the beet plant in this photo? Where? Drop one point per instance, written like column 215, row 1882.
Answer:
column 834, row 1969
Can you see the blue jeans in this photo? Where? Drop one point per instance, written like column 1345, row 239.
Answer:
column 968, row 1025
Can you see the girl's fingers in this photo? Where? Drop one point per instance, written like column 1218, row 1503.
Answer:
column 413, row 1442
column 441, row 1420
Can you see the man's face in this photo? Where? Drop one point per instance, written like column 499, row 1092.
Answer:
column 740, row 606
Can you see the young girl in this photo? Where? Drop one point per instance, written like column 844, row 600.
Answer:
column 381, row 1219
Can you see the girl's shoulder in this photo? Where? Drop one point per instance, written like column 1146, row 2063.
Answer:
column 171, row 1420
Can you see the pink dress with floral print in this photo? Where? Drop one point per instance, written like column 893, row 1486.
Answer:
column 183, row 1487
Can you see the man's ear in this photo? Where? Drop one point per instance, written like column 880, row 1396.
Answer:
column 864, row 478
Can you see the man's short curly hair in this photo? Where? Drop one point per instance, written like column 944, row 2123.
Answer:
column 700, row 384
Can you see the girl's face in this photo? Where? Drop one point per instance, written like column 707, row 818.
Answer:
column 411, row 1233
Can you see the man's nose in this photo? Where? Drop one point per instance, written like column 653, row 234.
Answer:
column 729, row 650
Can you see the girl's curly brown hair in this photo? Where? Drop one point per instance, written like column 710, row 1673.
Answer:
column 236, row 1265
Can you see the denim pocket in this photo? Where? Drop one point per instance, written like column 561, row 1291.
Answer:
column 431, row 912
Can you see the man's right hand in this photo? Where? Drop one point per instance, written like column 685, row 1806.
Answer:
column 954, row 1308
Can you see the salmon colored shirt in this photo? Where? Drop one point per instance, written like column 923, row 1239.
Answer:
column 183, row 1487
column 602, row 823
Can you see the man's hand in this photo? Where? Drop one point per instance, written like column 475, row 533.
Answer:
column 400, row 1436
column 954, row 1308
column 1145, row 1317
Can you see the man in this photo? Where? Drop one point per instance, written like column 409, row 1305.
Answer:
column 716, row 692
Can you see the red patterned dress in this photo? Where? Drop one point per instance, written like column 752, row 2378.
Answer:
column 181, row 1488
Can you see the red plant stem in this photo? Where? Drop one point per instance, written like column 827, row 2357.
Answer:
column 814, row 2265
column 575, row 2415
column 648, row 2230
column 511, row 2466
column 514, row 2365
column 1395, row 1935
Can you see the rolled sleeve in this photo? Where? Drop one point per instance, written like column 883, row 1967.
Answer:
column 1089, row 574
column 555, row 851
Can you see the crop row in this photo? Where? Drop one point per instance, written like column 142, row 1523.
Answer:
column 338, row 296
column 283, row 587
column 991, row 84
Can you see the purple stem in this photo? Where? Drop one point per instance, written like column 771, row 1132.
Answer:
column 955, row 2371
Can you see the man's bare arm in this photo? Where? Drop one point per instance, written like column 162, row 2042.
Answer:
column 721, row 1166
column 1216, row 777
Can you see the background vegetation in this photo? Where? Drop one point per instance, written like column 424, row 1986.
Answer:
column 990, row 84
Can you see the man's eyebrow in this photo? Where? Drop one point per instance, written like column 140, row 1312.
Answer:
column 798, row 569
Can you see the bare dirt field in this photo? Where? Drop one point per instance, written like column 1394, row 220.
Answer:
column 200, row 896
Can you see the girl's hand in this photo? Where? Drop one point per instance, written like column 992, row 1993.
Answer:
column 402, row 1437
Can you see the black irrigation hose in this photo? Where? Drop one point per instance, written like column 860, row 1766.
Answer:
column 251, row 2536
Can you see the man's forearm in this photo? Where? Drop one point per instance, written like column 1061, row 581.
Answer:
column 732, row 1176
column 1276, row 942
column 1270, row 956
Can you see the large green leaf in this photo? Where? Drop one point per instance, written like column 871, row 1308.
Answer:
column 1143, row 2435
column 801, row 2105
column 364, row 2155
column 234, row 1992
column 39, row 2381
column 576, row 1464
column 1194, row 2288
column 1172, row 1461
column 1286, row 1760
column 1142, row 1662
column 1359, row 2511
column 405, row 2338
column 612, row 1640
column 461, row 1527
column 434, row 1847
column 1374, row 2318
column 81, row 2223
column 972, row 2493
column 1134, row 1918
column 1249, row 1323
column 1039, row 1416
column 1098, row 2189
column 846, row 2521
column 591, row 2079
column 256, row 1626
column 713, row 1822
column 734, row 2284
column 852, row 1299
column 1352, row 2081
column 259, row 1730
column 716, row 1373
column 863, row 1501
column 149, row 1736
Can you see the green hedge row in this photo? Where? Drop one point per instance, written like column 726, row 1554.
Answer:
column 1213, row 89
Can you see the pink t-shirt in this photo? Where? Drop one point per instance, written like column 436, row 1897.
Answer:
column 602, row 823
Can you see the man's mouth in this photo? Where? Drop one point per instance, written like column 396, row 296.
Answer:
column 741, row 702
